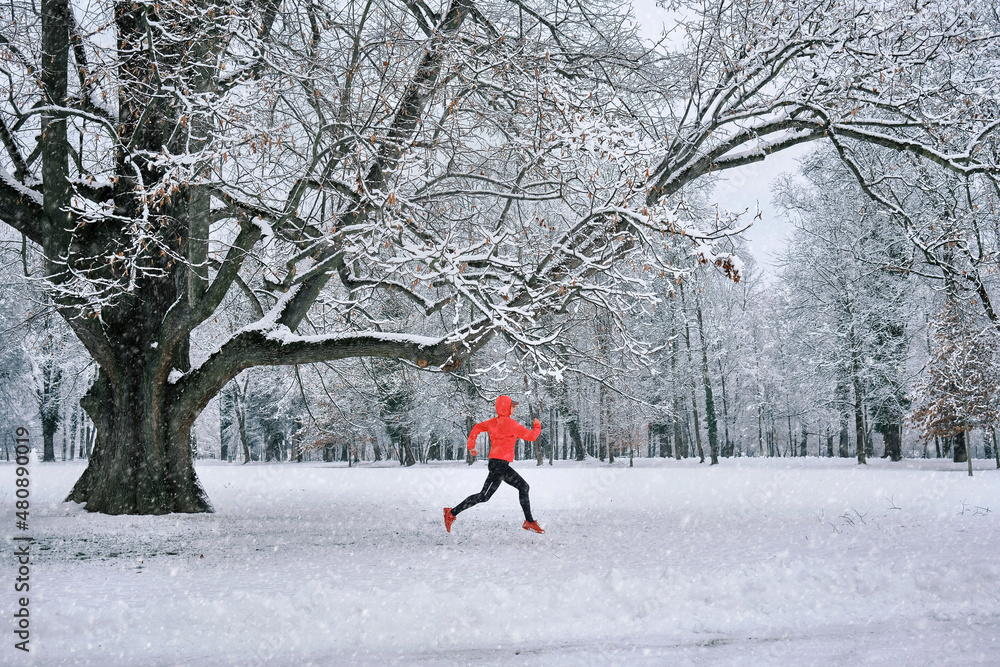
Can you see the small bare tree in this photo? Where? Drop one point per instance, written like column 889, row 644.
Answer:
column 960, row 390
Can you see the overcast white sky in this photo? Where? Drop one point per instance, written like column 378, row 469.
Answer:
column 747, row 187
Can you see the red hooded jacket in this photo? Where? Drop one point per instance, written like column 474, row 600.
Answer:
column 504, row 432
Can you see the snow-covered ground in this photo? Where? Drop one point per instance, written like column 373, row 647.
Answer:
column 753, row 562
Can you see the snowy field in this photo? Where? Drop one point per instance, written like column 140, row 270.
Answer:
column 753, row 562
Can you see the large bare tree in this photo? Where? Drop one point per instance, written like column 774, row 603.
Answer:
column 486, row 162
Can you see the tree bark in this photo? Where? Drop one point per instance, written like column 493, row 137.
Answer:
column 554, row 438
column 406, row 457
column 710, row 416
column 893, row 436
column 469, row 424
column 859, row 422
column 608, row 443
column 694, row 397
column 760, row 429
column 678, row 437
column 968, row 447
column 791, row 441
column 140, row 463
column 241, row 420
column 571, row 422
column 960, row 453
column 227, row 419
column 48, row 407
column 73, row 431
column 539, row 450
column 859, row 416
column 727, row 448
column 996, row 451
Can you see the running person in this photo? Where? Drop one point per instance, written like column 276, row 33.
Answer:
column 504, row 434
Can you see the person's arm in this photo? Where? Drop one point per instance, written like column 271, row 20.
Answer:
column 476, row 430
column 532, row 435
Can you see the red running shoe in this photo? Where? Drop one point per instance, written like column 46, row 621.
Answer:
column 532, row 526
column 449, row 519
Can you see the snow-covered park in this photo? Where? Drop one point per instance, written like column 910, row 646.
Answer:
column 754, row 562
column 244, row 243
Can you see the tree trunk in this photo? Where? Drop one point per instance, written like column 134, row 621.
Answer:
column 968, row 446
column 141, row 464
column 608, row 443
column 760, row 429
column 91, row 435
column 48, row 402
column 65, row 432
column 469, row 424
column 710, row 416
column 960, row 452
column 791, row 442
column 533, row 414
column 678, row 438
column 694, row 399
column 142, row 461
column 296, row 454
column 996, row 451
column 407, row 449
column 227, row 418
column 73, row 431
column 859, row 423
column 893, row 436
column 859, row 415
column 571, row 423
column 574, row 433
column 272, row 446
column 803, row 448
column 869, row 439
column 241, row 419
column 727, row 448
column 50, row 422
column 842, row 395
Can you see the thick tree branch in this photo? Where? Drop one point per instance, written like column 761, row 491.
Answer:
column 409, row 113
column 21, row 208
column 963, row 164
column 279, row 347
column 20, row 166
column 183, row 316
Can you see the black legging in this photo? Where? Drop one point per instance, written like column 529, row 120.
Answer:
column 500, row 471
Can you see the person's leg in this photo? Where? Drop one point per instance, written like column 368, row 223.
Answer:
column 511, row 477
column 490, row 487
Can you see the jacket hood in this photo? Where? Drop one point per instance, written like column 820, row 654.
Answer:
column 504, row 406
